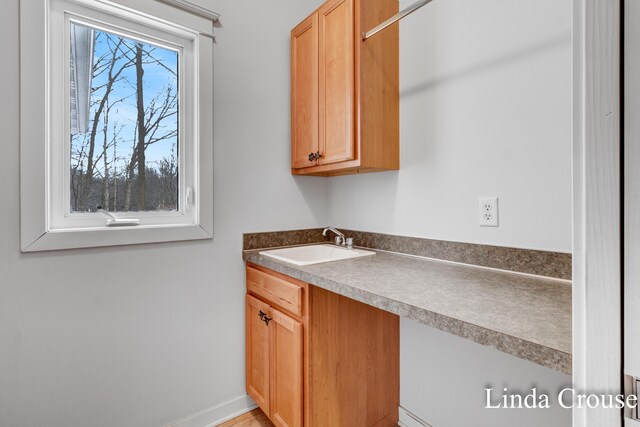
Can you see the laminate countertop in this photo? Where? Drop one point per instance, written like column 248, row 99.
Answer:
column 523, row 315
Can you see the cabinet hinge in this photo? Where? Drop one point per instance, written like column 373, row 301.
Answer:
column 631, row 387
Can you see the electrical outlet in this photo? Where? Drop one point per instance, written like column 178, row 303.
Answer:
column 488, row 211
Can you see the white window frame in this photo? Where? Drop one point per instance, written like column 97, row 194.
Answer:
column 46, row 221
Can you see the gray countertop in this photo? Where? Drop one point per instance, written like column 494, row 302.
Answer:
column 523, row 315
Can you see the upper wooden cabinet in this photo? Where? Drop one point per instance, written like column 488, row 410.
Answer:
column 344, row 91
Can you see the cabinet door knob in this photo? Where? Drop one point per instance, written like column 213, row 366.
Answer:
column 312, row 157
column 317, row 155
column 262, row 314
column 266, row 319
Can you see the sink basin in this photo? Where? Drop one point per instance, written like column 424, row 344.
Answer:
column 315, row 254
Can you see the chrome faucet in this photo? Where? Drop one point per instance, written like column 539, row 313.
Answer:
column 340, row 240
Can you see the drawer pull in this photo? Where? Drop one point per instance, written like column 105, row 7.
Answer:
column 263, row 316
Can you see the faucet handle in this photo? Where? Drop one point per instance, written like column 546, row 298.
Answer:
column 339, row 241
column 349, row 242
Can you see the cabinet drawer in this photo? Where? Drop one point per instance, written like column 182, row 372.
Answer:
column 275, row 290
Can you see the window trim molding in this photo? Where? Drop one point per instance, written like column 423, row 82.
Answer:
column 597, row 250
column 194, row 8
column 36, row 233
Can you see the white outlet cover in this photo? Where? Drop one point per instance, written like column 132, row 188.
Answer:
column 488, row 212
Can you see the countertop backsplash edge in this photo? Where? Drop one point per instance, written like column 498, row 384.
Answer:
column 529, row 261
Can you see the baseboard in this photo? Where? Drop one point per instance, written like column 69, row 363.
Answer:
column 409, row 419
column 218, row 414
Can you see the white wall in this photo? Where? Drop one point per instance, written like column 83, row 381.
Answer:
column 485, row 110
column 444, row 376
column 143, row 336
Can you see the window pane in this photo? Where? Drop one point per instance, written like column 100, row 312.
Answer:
column 124, row 123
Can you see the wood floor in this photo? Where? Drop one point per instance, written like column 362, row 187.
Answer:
column 255, row 418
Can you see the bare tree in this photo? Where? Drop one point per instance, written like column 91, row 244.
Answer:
column 142, row 129
column 109, row 140
column 111, row 64
column 168, row 181
column 130, row 173
column 143, row 185
column 150, row 118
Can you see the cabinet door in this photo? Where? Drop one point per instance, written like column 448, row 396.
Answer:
column 258, row 352
column 337, row 74
column 286, row 371
column 304, row 93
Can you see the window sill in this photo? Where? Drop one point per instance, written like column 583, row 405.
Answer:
column 115, row 236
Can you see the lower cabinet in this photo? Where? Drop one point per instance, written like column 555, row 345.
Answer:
column 274, row 362
column 315, row 358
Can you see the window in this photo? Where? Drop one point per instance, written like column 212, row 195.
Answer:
column 124, row 127
column 116, row 123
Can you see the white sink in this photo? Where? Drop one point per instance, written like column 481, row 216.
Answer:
column 315, row 254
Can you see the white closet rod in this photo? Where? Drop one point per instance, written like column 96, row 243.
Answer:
column 404, row 12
